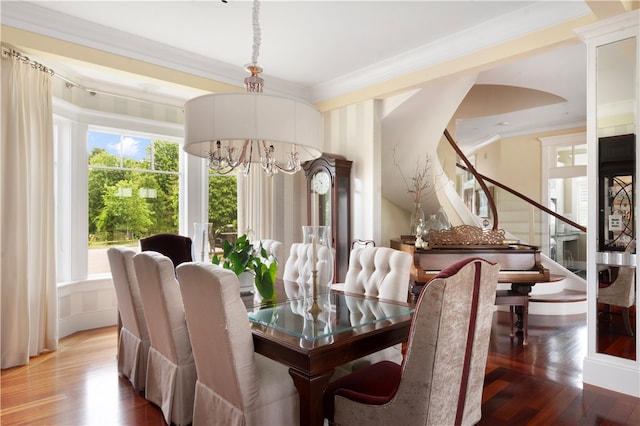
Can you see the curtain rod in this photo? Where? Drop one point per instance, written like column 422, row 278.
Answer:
column 6, row 52
column 10, row 52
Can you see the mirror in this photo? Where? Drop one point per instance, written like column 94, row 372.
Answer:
column 616, row 75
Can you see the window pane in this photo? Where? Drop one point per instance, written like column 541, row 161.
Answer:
column 104, row 149
column 223, row 208
column 580, row 155
column 165, row 156
column 136, row 152
column 126, row 202
column 564, row 156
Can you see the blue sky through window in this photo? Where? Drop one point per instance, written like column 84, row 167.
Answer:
column 119, row 145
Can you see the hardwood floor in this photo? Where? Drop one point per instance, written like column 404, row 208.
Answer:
column 540, row 384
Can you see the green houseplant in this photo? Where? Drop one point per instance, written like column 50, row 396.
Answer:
column 242, row 256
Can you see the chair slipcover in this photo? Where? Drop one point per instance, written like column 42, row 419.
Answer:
column 133, row 340
column 176, row 247
column 235, row 385
column 621, row 293
column 171, row 372
column 441, row 380
column 379, row 272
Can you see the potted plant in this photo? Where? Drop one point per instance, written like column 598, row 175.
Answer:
column 242, row 256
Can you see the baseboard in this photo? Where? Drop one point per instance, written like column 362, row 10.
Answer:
column 87, row 321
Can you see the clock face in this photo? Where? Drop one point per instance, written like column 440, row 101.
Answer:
column 321, row 182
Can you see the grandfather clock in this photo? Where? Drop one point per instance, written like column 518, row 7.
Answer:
column 329, row 204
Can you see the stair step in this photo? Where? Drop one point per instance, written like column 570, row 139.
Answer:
column 564, row 296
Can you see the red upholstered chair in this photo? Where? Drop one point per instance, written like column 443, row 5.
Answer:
column 441, row 379
column 175, row 247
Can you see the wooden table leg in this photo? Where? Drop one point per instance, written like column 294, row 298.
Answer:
column 311, row 390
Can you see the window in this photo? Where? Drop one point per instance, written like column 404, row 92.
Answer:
column 564, row 176
column 570, row 155
column 133, row 191
column 223, row 207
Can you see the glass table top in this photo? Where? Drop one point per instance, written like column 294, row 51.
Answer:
column 339, row 313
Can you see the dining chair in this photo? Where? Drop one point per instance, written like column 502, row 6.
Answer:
column 300, row 262
column 176, row 247
column 620, row 293
column 362, row 243
column 235, row 385
column 379, row 272
column 274, row 248
column 133, row 337
column 171, row 371
column 441, row 380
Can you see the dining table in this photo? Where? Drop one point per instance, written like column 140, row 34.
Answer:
column 314, row 335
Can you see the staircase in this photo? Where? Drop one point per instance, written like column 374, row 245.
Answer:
column 520, row 215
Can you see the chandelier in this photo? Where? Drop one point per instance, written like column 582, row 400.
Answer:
column 233, row 130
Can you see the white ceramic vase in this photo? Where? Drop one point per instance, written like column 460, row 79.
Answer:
column 246, row 282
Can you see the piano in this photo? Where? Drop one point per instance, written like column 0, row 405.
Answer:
column 520, row 265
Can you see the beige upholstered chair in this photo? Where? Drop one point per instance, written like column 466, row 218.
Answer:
column 133, row 338
column 275, row 248
column 356, row 243
column 380, row 272
column 235, row 385
column 620, row 293
column 176, row 247
column 299, row 261
column 441, row 380
column 171, row 372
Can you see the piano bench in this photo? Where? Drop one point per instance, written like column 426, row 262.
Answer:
column 515, row 299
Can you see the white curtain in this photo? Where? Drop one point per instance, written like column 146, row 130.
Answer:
column 27, row 264
column 255, row 204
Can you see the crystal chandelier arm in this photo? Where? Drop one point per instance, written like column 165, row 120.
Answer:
column 271, row 165
column 225, row 164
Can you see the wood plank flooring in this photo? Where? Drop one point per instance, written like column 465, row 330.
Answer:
column 536, row 385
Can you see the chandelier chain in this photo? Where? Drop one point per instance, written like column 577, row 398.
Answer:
column 257, row 32
column 225, row 159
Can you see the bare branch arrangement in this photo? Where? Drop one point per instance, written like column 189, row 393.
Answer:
column 418, row 186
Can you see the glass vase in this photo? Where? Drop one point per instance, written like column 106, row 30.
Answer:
column 318, row 262
column 443, row 219
column 201, row 249
column 430, row 224
column 417, row 220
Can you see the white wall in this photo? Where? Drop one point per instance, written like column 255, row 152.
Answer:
column 87, row 304
column 354, row 132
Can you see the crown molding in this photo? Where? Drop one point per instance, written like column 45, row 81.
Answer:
column 519, row 23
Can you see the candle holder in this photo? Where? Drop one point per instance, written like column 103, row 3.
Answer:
column 201, row 248
column 315, row 308
column 318, row 270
